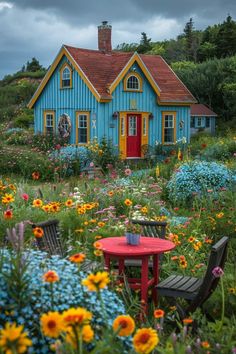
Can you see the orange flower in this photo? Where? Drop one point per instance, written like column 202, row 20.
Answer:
column 158, row 313
column 51, row 276
column 124, row 325
column 35, row 175
column 38, row 232
column 77, row 258
column 187, row 321
column 8, row 214
column 128, row 202
column 37, row 203
column 97, row 245
column 183, row 264
column 174, row 258
column 110, row 193
column 101, row 223
column 205, row 344
column 69, row 203
column 191, row 239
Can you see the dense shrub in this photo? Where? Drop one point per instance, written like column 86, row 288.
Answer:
column 25, row 296
column 74, row 155
column 47, row 142
column 196, row 178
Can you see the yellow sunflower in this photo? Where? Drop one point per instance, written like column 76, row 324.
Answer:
column 13, row 339
column 95, row 282
column 76, row 316
column 77, row 258
column 52, row 324
column 145, row 340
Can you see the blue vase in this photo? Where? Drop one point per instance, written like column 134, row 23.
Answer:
column 132, row 239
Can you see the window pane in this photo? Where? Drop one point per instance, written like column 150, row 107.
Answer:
column 49, row 123
column 122, row 129
column 83, row 129
column 207, row 122
column 133, row 83
column 132, row 126
column 144, row 126
column 169, row 135
column 66, row 77
column 192, row 122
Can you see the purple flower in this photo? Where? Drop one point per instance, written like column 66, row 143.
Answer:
column 218, row 272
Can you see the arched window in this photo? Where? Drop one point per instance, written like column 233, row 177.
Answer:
column 66, row 80
column 133, row 82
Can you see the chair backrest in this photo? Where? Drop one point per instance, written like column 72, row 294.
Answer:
column 51, row 241
column 152, row 228
column 217, row 259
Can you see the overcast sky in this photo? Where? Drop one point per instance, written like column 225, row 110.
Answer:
column 38, row 28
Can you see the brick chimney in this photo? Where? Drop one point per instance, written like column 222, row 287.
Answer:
column 104, row 37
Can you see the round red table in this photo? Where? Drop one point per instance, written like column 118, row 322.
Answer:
column 117, row 247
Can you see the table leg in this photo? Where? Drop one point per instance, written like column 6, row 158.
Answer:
column 144, row 283
column 121, row 266
column 156, row 277
column 107, row 262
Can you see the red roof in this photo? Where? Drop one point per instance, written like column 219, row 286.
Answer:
column 201, row 110
column 103, row 68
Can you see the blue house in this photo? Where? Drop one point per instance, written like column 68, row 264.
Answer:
column 130, row 98
column 202, row 119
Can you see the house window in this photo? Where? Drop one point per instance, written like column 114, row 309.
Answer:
column 83, row 127
column 66, row 77
column 168, row 133
column 199, row 122
column 49, row 118
column 133, row 82
column 122, row 126
column 192, row 122
column 132, row 126
column 144, row 126
column 207, row 122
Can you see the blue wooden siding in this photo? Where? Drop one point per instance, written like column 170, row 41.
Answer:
column 80, row 98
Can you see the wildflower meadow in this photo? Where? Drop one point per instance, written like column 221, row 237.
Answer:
column 73, row 303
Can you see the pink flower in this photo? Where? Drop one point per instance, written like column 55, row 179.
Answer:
column 25, row 197
column 218, row 272
column 128, row 172
column 91, row 164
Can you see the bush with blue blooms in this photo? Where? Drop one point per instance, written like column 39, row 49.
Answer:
column 26, row 306
column 196, row 178
column 72, row 155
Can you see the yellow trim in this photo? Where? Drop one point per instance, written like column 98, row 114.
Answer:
column 63, row 51
column 50, row 111
column 135, row 58
column 65, row 65
column 144, row 138
column 123, row 138
column 77, row 114
column 139, row 79
column 166, row 113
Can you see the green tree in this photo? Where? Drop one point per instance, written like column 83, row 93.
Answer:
column 145, row 44
column 33, row 65
column 226, row 38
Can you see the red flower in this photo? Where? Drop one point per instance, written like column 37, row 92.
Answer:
column 35, row 175
column 8, row 214
column 204, row 146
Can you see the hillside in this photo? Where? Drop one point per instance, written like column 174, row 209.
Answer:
column 15, row 92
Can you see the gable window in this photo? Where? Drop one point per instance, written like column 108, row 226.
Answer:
column 82, row 128
column 66, row 76
column 168, row 127
column 133, row 82
column 49, row 121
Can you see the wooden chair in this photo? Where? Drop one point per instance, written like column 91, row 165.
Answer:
column 150, row 229
column 195, row 290
column 51, row 240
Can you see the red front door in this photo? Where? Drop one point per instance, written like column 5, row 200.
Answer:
column 133, row 135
